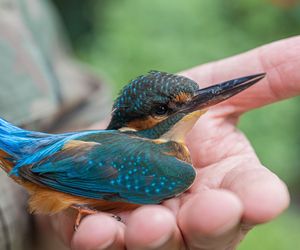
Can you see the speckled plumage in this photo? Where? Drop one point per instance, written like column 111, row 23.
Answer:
column 141, row 94
column 107, row 165
column 110, row 165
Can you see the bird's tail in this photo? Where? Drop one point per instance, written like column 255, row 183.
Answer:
column 14, row 143
column 17, row 144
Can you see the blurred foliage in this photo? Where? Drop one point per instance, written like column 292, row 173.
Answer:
column 78, row 20
column 123, row 39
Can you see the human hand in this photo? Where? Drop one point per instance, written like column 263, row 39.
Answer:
column 232, row 192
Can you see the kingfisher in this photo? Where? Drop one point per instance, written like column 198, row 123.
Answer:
column 140, row 158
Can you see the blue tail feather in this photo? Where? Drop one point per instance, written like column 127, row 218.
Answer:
column 7, row 128
column 22, row 147
column 18, row 145
column 16, row 141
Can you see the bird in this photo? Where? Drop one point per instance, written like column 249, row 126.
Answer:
column 140, row 158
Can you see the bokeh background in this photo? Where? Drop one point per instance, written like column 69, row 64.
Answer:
column 123, row 39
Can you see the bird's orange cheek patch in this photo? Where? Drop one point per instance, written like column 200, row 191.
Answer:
column 147, row 123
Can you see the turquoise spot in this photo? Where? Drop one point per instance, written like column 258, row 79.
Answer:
column 157, row 190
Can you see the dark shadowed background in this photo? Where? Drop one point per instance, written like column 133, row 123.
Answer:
column 123, row 39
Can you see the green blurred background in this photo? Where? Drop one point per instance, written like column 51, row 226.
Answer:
column 122, row 39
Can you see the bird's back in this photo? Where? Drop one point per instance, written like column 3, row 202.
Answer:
column 93, row 165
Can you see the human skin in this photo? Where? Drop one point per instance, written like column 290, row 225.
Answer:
column 233, row 191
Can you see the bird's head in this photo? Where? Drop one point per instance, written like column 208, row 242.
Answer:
column 160, row 105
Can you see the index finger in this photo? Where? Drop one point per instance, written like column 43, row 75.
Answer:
column 280, row 60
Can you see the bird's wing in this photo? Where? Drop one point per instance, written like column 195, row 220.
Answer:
column 112, row 166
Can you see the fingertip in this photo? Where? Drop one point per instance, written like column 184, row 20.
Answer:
column 149, row 227
column 97, row 231
column 209, row 213
column 265, row 199
column 263, row 194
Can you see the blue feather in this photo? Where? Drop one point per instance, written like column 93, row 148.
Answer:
column 16, row 141
column 27, row 147
column 117, row 167
column 102, row 164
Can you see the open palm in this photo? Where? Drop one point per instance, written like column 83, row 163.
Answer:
column 232, row 192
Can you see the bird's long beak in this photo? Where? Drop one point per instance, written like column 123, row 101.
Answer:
column 212, row 95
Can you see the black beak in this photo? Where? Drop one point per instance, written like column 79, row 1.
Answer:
column 212, row 95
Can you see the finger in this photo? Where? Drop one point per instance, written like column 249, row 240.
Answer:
column 281, row 61
column 152, row 227
column 99, row 231
column 210, row 220
column 263, row 194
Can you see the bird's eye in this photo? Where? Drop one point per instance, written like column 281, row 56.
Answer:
column 160, row 110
